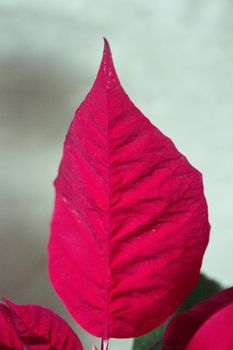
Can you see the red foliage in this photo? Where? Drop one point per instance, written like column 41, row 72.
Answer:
column 130, row 223
column 34, row 327
column 208, row 326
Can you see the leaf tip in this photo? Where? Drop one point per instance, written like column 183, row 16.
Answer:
column 107, row 65
column 14, row 308
column 6, row 301
column 107, row 49
column 11, row 306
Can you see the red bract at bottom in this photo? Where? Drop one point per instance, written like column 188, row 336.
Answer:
column 34, row 327
column 208, row 326
column 130, row 223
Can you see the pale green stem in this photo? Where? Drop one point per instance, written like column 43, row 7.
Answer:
column 104, row 344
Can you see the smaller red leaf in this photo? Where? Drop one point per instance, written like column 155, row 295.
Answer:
column 8, row 336
column 41, row 329
column 216, row 333
column 207, row 326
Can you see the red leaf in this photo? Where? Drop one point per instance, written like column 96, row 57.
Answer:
column 41, row 329
column 9, row 339
column 207, row 326
column 130, row 224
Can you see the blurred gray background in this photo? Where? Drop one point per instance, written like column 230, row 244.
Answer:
column 175, row 60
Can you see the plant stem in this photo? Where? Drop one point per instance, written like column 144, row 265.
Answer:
column 104, row 344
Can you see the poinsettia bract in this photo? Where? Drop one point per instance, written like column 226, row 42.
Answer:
column 130, row 223
column 208, row 326
column 33, row 327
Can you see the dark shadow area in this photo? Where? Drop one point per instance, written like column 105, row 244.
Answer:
column 37, row 101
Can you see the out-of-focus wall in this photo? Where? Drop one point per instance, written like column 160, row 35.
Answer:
column 175, row 60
